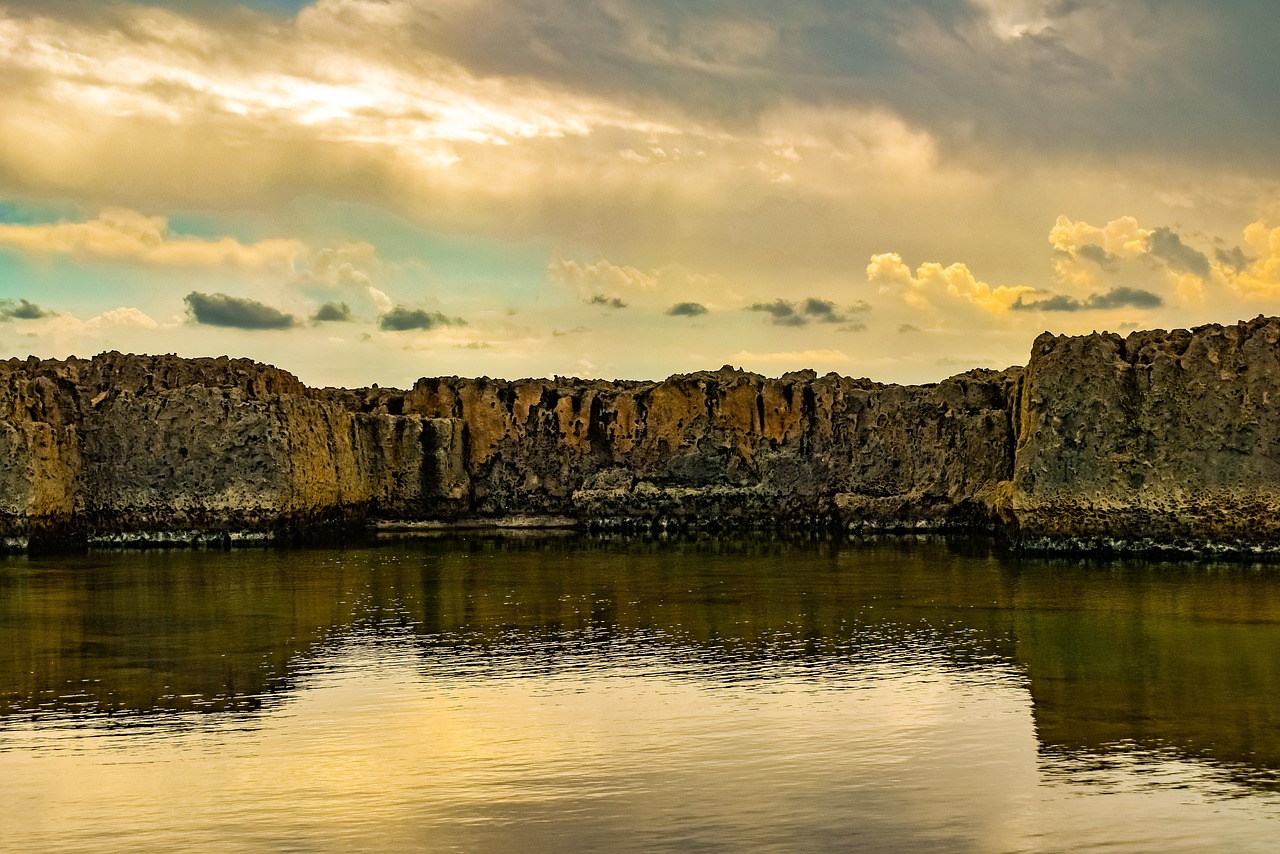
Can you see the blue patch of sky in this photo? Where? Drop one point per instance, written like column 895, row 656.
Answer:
column 514, row 271
column 64, row 284
column 245, row 226
column 25, row 212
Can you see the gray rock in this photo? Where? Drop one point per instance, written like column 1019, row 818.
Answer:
column 1158, row 441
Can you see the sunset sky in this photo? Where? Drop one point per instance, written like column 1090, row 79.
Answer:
column 368, row 191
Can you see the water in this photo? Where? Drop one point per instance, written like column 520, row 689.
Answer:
column 489, row 694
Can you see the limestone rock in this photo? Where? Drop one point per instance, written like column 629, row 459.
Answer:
column 1157, row 440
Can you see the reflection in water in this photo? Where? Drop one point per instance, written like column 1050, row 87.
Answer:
column 500, row 694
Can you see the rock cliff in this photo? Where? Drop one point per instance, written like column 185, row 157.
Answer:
column 1154, row 441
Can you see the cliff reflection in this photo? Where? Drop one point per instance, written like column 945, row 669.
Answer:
column 1116, row 657
column 1165, row 657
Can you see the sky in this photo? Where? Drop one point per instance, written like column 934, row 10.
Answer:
column 371, row 191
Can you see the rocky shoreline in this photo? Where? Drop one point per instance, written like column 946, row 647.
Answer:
column 1155, row 442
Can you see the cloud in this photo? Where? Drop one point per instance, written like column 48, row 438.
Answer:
column 119, row 234
column 236, row 312
column 1098, row 255
column 908, row 327
column 123, row 316
column 607, row 302
column 930, row 279
column 1260, row 277
column 1233, row 260
column 22, row 310
column 687, row 309
column 812, row 309
column 333, row 312
column 1166, row 245
column 783, row 313
column 72, row 330
column 1102, row 247
column 347, row 264
column 1121, row 297
column 598, row 278
column 1119, row 240
column 402, row 319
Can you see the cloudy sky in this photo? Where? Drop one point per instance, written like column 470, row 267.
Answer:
column 375, row 190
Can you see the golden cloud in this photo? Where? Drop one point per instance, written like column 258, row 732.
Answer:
column 119, row 234
column 151, row 109
column 1119, row 239
column 1260, row 277
column 930, row 279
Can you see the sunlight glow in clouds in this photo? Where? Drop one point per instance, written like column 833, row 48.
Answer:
column 932, row 280
column 373, row 190
column 120, row 234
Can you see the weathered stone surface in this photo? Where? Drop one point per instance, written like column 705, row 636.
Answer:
column 1157, row 440
column 1160, row 439
column 161, row 449
column 731, row 446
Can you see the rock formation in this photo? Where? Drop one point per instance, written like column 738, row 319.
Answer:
column 1161, row 440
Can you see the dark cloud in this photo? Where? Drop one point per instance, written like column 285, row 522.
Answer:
column 402, row 319
column 852, row 327
column 822, row 310
column 1121, row 297
column 810, row 310
column 908, row 327
column 236, row 312
column 948, row 66
column 1098, row 255
column 1166, row 245
column 1125, row 298
column 22, row 310
column 687, row 309
column 781, row 312
column 607, row 302
column 1233, row 259
column 405, row 319
column 333, row 311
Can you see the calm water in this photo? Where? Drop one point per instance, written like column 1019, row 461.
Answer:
column 489, row 694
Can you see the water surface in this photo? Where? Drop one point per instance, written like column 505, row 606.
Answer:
column 491, row 694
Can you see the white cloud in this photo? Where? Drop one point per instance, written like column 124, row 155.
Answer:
column 598, row 277
column 123, row 316
column 347, row 264
column 381, row 301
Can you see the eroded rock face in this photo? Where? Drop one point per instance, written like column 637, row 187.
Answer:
column 1164, row 439
column 732, row 445
column 143, row 448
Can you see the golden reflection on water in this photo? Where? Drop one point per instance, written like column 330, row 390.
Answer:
column 489, row 694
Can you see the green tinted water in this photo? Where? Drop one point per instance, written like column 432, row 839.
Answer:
column 487, row 694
